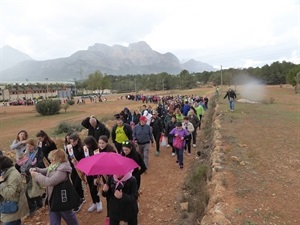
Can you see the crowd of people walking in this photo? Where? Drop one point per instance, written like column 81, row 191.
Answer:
column 172, row 123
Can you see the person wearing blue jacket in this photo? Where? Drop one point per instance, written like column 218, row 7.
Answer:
column 186, row 108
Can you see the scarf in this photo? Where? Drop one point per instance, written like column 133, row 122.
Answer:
column 126, row 177
column 53, row 167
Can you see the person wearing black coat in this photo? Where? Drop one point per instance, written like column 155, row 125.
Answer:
column 75, row 153
column 120, row 132
column 129, row 151
column 46, row 144
column 170, row 126
column 157, row 130
column 95, row 127
column 123, row 195
column 231, row 95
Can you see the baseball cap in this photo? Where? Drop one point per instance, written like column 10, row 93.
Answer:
column 143, row 118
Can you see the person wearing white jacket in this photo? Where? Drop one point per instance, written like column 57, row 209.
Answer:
column 148, row 116
column 186, row 124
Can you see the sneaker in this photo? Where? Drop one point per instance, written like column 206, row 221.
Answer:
column 189, row 153
column 92, row 208
column 194, row 145
column 77, row 209
column 181, row 167
column 157, row 153
column 173, row 154
column 168, row 146
column 99, row 206
column 177, row 161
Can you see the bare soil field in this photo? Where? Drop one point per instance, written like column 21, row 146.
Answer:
column 261, row 143
column 261, row 164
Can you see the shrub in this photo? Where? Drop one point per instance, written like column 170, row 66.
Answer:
column 64, row 127
column 71, row 102
column 48, row 107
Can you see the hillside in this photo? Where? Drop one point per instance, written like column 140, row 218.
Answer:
column 137, row 58
column 10, row 57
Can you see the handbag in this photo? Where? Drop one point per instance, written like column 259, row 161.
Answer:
column 64, row 197
column 20, row 162
column 163, row 141
column 8, row 207
column 177, row 142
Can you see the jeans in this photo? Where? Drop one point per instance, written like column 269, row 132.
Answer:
column 68, row 216
column 179, row 153
column 231, row 104
column 144, row 150
column 15, row 222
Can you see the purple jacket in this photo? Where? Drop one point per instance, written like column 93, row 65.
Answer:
column 181, row 133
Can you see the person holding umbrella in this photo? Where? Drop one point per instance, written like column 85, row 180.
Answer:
column 128, row 150
column 121, row 187
column 123, row 193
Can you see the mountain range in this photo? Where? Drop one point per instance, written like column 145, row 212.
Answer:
column 137, row 58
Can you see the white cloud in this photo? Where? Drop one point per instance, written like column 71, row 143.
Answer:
column 232, row 33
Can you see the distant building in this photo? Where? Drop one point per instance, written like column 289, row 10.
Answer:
column 12, row 92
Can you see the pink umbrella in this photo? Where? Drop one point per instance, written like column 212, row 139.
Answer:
column 107, row 163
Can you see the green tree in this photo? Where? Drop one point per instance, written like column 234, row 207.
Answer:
column 98, row 82
column 293, row 77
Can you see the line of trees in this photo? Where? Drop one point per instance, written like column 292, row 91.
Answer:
column 275, row 74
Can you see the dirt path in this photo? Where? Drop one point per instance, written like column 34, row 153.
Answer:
column 161, row 186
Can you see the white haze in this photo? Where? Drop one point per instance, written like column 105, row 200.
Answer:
column 252, row 89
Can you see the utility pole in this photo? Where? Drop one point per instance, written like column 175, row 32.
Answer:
column 135, row 86
column 47, row 88
column 221, row 77
column 75, row 87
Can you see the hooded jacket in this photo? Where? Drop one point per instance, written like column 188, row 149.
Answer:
column 54, row 177
column 126, row 207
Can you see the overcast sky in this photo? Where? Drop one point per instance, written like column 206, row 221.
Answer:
column 231, row 33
